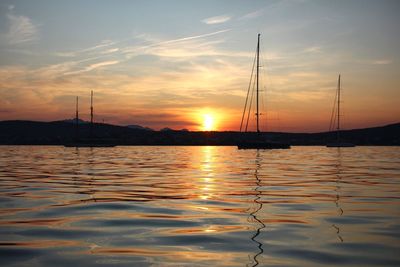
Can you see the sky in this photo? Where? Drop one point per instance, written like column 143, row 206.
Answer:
column 187, row 64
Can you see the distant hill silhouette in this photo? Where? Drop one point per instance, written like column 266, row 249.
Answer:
column 74, row 121
column 61, row 132
column 138, row 127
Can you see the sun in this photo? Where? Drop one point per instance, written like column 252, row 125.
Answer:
column 207, row 119
column 208, row 122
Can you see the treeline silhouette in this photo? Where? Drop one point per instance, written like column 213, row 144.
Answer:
column 62, row 132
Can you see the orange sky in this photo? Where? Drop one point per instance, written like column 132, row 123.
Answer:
column 193, row 71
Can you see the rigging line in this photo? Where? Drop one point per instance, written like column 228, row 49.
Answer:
column 263, row 110
column 334, row 121
column 265, row 101
column 264, row 95
column 343, row 114
column 260, row 90
column 251, row 101
column 248, row 90
column 333, row 114
column 250, row 105
column 264, row 81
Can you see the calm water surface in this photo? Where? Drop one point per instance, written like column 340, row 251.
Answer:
column 199, row 206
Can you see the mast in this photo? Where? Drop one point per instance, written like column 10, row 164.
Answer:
column 258, row 66
column 338, row 111
column 91, row 113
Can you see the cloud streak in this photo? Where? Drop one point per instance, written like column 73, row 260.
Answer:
column 382, row 62
column 191, row 37
column 92, row 49
column 93, row 66
column 216, row 19
column 252, row 15
column 21, row 29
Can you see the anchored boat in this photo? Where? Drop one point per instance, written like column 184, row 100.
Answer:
column 260, row 140
column 91, row 141
column 336, row 109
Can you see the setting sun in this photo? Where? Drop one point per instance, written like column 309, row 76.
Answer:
column 208, row 122
column 210, row 119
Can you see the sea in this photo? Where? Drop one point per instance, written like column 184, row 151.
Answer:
column 199, row 206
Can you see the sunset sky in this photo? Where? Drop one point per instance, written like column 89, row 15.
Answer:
column 187, row 64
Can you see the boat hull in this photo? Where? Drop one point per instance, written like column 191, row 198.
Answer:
column 262, row 145
column 340, row 144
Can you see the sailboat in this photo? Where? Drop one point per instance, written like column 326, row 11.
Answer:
column 338, row 142
column 91, row 141
column 258, row 141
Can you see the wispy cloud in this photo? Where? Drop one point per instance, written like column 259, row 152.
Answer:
column 196, row 36
column 93, row 66
column 110, row 51
column 21, row 29
column 115, row 52
column 102, row 44
column 217, row 19
column 382, row 62
column 313, row 49
column 102, row 64
column 252, row 15
column 191, row 46
column 272, row 6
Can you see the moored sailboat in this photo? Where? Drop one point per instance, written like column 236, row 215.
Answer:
column 338, row 142
column 259, row 141
column 91, row 141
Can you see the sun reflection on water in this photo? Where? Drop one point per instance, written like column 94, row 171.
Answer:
column 199, row 206
column 207, row 169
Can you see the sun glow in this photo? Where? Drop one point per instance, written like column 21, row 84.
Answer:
column 208, row 122
column 209, row 119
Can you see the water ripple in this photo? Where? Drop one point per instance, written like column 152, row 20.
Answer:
column 199, row 206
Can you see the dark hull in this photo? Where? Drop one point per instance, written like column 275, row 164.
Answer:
column 262, row 145
column 339, row 144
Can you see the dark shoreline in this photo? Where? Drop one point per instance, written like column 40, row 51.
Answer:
column 4, row 145
column 60, row 133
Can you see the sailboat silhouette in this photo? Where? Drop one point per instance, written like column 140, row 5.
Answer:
column 336, row 108
column 91, row 141
column 257, row 141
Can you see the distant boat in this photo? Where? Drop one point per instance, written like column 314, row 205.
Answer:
column 338, row 142
column 259, row 141
column 91, row 141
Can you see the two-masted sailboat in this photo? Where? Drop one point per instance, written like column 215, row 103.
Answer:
column 257, row 141
column 91, row 141
column 336, row 118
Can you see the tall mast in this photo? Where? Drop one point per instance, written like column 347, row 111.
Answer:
column 258, row 66
column 338, row 111
column 76, row 119
column 91, row 113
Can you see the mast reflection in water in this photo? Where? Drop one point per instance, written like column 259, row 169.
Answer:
column 253, row 215
column 338, row 166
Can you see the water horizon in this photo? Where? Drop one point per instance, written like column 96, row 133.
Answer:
column 199, row 206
